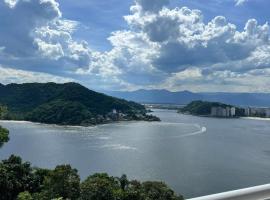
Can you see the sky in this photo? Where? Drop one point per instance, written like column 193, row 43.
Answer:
column 195, row 45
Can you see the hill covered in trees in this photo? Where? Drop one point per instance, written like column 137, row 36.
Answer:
column 19, row 180
column 66, row 104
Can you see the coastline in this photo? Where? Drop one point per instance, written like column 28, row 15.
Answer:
column 207, row 116
column 74, row 126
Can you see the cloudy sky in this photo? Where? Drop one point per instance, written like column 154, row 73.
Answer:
column 196, row 45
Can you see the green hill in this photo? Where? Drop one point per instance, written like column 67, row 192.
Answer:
column 68, row 104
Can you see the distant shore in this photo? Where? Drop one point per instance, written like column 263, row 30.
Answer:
column 77, row 126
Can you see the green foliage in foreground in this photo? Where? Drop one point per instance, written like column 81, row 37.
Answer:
column 3, row 135
column 25, row 196
column 18, row 180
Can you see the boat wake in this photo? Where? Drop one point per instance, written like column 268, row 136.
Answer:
column 118, row 147
column 201, row 130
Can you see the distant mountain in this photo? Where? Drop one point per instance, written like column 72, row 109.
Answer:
column 68, row 103
column 185, row 97
column 157, row 96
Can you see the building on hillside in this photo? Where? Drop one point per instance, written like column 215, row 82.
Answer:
column 223, row 112
column 233, row 111
column 247, row 111
column 228, row 111
column 213, row 111
column 257, row 112
column 267, row 112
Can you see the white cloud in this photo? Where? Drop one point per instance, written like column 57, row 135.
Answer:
column 240, row 2
column 185, row 40
column 35, row 30
column 10, row 75
column 225, row 81
column 177, row 46
column 20, row 20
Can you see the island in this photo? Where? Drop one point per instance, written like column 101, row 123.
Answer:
column 66, row 104
column 212, row 109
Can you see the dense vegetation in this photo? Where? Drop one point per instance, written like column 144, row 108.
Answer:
column 3, row 135
column 3, row 132
column 204, row 108
column 68, row 103
column 19, row 180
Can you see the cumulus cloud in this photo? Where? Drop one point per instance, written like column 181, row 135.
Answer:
column 161, row 47
column 19, row 19
column 177, row 46
column 178, row 41
column 184, row 40
column 35, row 29
column 226, row 81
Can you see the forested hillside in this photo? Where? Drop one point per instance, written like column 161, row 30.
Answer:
column 68, row 103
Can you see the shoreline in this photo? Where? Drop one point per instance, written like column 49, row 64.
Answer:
column 74, row 126
column 208, row 116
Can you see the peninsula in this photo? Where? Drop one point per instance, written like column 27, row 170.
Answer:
column 212, row 109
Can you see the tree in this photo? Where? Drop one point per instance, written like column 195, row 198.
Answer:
column 15, row 177
column 123, row 182
column 158, row 191
column 133, row 191
column 25, row 196
column 64, row 182
column 99, row 187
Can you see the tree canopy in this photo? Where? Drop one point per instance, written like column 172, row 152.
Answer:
column 19, row 180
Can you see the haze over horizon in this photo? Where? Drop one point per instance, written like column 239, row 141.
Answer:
column 177, row 45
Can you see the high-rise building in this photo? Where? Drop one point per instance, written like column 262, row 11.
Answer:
column 233, row 111
column 267, row 113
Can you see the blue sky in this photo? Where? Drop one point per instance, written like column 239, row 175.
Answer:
column 196, row 45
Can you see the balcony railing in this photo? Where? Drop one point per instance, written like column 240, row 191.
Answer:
column 261, row 192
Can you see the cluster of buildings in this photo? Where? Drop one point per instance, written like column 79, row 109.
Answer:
column 228, row 112
column 257, row 112
column 115, row 115
column 223, row 112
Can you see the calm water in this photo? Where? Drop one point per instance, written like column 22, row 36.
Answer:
column 195, row 156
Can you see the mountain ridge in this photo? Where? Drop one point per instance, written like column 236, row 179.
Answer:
column 185, row 97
